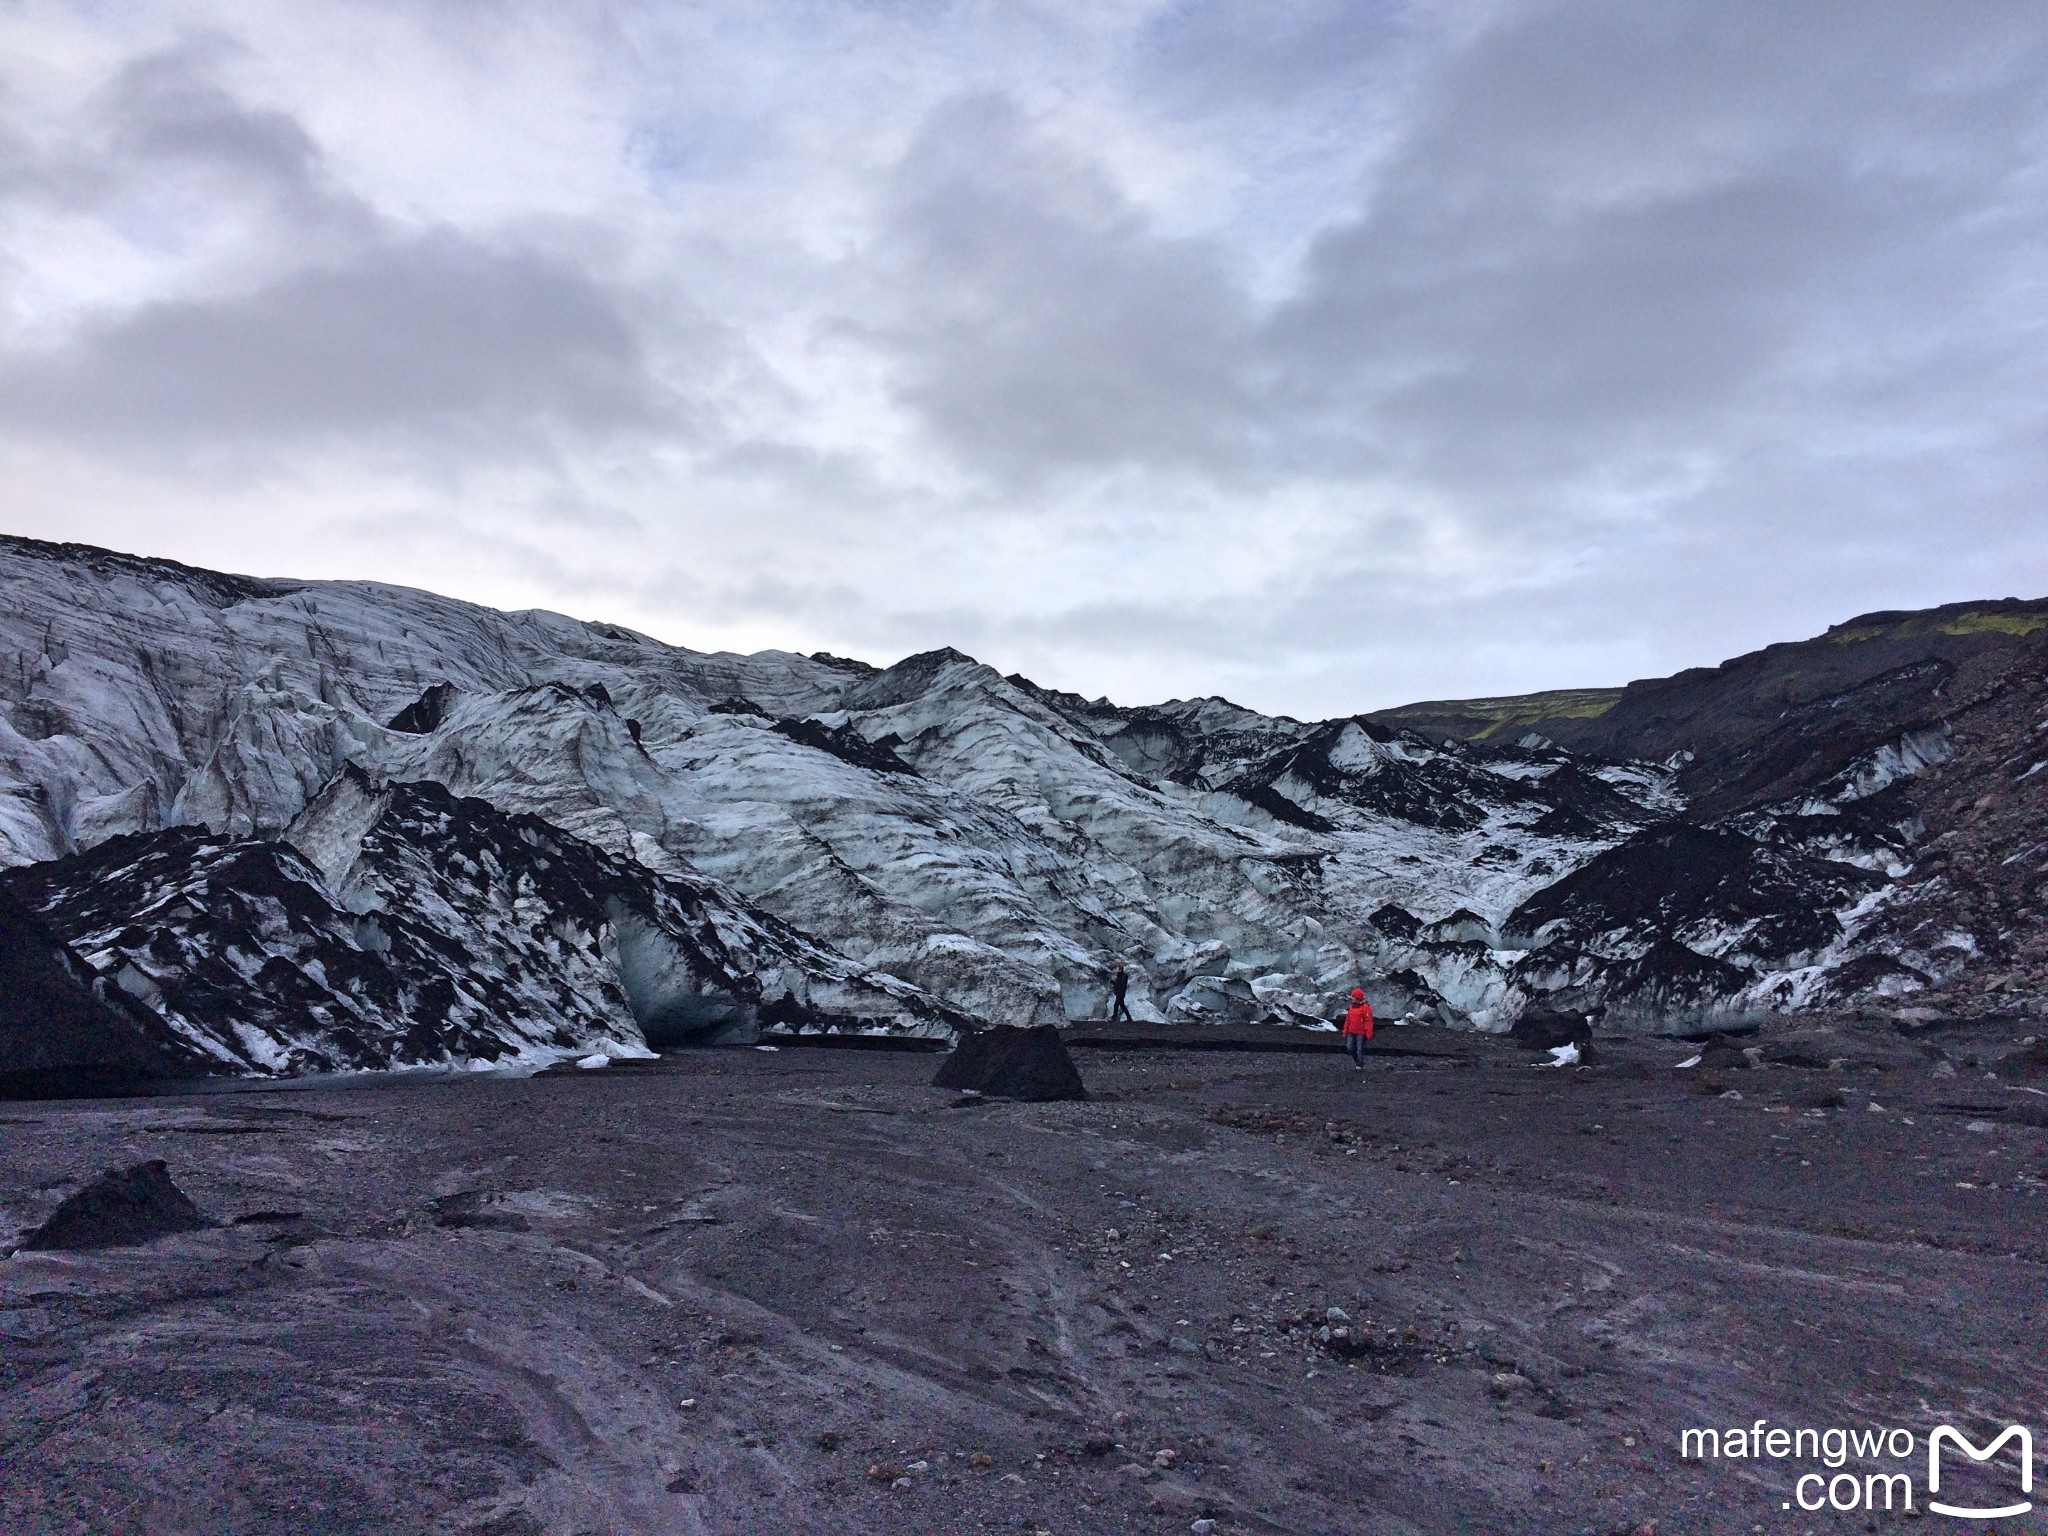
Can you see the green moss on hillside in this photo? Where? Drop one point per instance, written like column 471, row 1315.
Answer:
column 1971, row 621
column 1480, row 719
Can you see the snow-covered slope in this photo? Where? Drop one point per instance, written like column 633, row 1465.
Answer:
column 944, row 835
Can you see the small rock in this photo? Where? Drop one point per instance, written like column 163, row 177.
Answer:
column 1980, row 1127
column 1337, row 1315
column 1181, row 1344
column 1733, row 1093
column 920, row 1467
column 981, row 1459
column 1944, row 1069
column 1820, row 1098
column 1172, row 1497
column 1097, row 1445
column 901, row 1482
column 474, row 1208
column 1012, row 1477
column 1113, row 1235
column 592, row 1062
column 829, row 1441
column 1164, row 1458
column 1203, row 1528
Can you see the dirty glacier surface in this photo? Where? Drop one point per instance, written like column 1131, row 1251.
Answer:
column 897, row 849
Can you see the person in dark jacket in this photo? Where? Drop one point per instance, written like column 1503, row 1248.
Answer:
column 1119, row 984
column 1357, row 1027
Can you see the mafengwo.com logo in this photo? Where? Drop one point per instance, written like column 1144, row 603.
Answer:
column 1965, row 1479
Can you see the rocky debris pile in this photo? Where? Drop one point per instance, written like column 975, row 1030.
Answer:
column 399, row 924
column 1007, row 1062
column 119, row 1209
column 1679, row 918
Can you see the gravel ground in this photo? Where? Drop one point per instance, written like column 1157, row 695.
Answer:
column 802, row 1291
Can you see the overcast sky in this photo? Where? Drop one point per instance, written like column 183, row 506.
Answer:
column 1326, row 354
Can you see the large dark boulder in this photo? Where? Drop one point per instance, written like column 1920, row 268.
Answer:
column 1011, row 1063
column 1545, row 1030
column 120, row 1208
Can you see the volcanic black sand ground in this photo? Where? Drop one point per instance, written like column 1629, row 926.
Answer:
column 802, row 1291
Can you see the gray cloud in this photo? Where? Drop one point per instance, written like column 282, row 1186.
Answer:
column 433, row 336
column 169, row 107
column 350, row 327
column 1044, row 324
column 1206, row 55
column 1613, row 226
column 1332, row 352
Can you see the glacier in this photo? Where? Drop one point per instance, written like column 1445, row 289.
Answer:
column 912, row 848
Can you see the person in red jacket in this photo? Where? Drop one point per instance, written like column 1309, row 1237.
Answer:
column 1357, row 1027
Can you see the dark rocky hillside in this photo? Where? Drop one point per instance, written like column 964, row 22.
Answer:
column 63, row 1026
column 1784, row 721
column 1911, row 742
